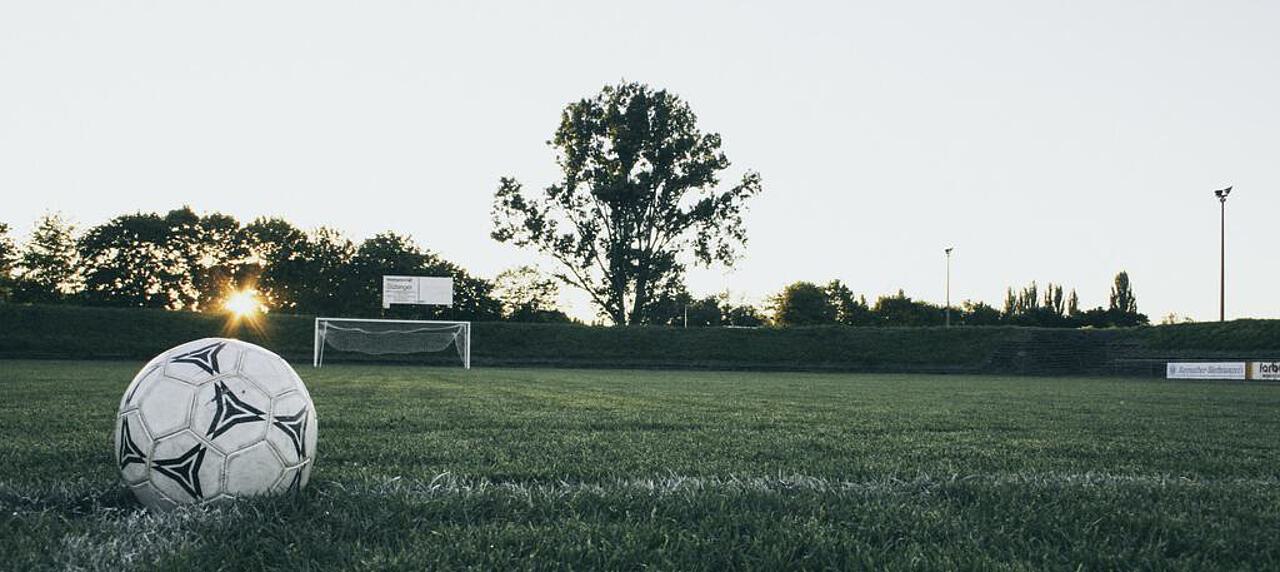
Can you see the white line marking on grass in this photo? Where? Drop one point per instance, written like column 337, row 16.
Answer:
column 447, row 484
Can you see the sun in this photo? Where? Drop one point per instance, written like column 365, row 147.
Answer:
column 243, row 303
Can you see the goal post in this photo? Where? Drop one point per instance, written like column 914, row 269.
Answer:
column 383, row 337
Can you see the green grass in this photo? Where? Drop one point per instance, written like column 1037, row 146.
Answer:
column 503, row 469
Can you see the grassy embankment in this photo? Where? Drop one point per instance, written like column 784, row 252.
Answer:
column 119, row 333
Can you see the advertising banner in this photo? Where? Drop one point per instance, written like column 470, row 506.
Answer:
column 1265, row 370
column 417, row 290
column 1206, row 370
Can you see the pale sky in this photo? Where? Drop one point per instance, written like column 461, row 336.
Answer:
column 1049, row 141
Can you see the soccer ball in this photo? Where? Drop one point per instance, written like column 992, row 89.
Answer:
column 214, row 419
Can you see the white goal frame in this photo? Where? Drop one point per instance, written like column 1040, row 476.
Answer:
column 317, row 354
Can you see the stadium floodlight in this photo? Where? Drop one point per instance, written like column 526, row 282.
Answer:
column 383, row 337
column 948, row 251
column 1222, row 246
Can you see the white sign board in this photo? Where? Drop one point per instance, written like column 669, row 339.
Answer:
column 417, row 290
column 1206, row 370
column 1265, row 370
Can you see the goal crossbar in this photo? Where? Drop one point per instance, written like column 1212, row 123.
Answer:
column 455, row 333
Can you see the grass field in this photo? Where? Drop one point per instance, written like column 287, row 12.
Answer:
column 675, row 470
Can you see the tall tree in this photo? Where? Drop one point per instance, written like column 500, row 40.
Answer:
column 1123, row 304
column 180, row 261
column 901, row 310
column 320, row 271
column 127, row 262
column 979, row 314
column 48, row 265
column 704, row 312
column 803, row 304
column 216, row 249
column 1054, row 301
column 275, row 252
column 849, row 310
column 8, row 256
column 639, row 190
column 744, row 316
column 1029, row 299
column 1122, row 300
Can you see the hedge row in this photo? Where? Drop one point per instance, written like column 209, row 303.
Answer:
column 32, row 331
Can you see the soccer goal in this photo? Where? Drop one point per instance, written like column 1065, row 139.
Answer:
column 382, row 337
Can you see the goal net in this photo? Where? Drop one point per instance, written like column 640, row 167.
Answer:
column 383, row 337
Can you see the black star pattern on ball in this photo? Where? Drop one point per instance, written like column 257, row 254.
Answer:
column 184, row 470
column 295, row 426
column 230, row 411
column 205, row 358
column 129, row 451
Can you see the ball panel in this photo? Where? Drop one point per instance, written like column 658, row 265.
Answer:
column 165, row 405
column 186, row 469
column 253, row 471
column 213, row 474
column 203, row 360
column 231, row 413
column 268, row 371
column 290, row 425
column 302, row 387
column 133, row 446
column 146, row 375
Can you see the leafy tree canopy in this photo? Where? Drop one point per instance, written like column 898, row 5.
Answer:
column 638, row 199
column 183, row 260
column 48, row 265
column 175, row 261
column 850, row 310
column 8, row 256
column 803, row 304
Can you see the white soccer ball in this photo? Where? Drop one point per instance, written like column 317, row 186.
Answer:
column 214, row 419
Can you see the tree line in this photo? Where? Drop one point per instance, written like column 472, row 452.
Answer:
column 806, row 303
column 182, row 260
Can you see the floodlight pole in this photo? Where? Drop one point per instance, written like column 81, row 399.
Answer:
column 948, row 251
column 1222, row 254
